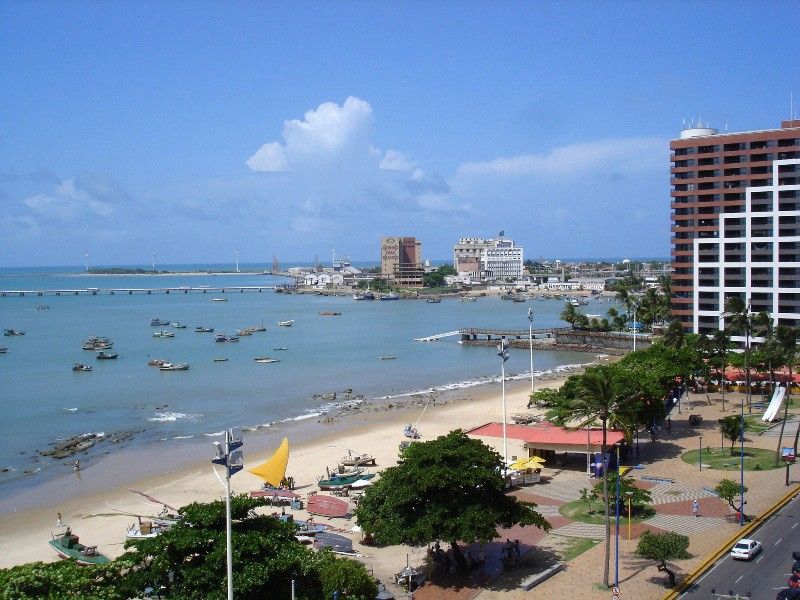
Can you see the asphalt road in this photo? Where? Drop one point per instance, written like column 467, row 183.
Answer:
column 762, row 576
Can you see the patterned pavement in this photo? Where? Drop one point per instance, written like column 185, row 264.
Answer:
column 686, row 524
column 663, row 493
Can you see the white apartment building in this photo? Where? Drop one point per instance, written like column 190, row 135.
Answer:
column 488, row 259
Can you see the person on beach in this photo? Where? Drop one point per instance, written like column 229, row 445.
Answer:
column 77, row 466
column 59, row 522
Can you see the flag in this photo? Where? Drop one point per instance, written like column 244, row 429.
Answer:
column 503, row 347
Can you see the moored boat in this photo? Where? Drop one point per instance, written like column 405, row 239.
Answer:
column 3, row 350
column 220, row 359
column 281, row 348
column 68, row 547
column 158, row 322
column 220, row 337
column 243, row 332
column 265, row 359
column 103, row 355
column 359, row 460
column 81, row 367
column 42, row 306
column 163, row 334
column 287, row 323
column 390, row 297
column 433, row 300
column 201, row 329
column 178, row 325
column 387, row 357
column 336, row 481
column 156, row 362
column 174, row 367
column 10, row 332
column 145, row 529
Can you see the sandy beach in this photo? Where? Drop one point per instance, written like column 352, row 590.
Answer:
column 102, row 517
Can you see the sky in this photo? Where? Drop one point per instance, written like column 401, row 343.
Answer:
column 188, row 131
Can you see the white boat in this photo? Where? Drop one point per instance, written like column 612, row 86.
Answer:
column 219, row 299
column 288, row 323
column 174, row 367
column 265, row 359
column 178, row 325
column 145, row 529
column 163, row 334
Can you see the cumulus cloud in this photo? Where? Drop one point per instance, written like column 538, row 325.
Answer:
column 393, row 160
column 78, row 197
column 327, row 130
column 619, row 156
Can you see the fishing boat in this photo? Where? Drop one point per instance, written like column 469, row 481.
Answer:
column 163, row 334
column 273, row 470
column 338, row 482
column 220, row 337
column 265, row 359
column 3, row 350
column 10, row 332
column 329, row 313
column 574, row 302
column 42, row 306
column 158, row 322
column 103, row 355
column 178, row 325
column 174, row 367
column 232, row 338
column 81, row 367
column 145, row 529
column 518, row 299
column 67, row 547
column 243, row 332
column 390, row 297
column 257, row 328
column 433, row 300
column 387, row 357
column 201, row 329
column 96, row 343
column 156, row 362
column 287, row 323
column 359, row 460
column 219, row 299
column 281, row 348
column 220, row 359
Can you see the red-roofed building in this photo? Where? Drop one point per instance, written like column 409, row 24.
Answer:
column 544, row 439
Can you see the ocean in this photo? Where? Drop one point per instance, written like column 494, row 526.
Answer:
column 45, row 402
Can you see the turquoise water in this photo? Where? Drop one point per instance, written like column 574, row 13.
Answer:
column 45, row 401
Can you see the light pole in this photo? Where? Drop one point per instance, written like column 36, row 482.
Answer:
column 616, row 550
column 530, row 341
column 503, row 354
column 634, row 329
column 700, row 460
column 232, row 459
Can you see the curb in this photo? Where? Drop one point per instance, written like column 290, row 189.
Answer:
column 743, row 532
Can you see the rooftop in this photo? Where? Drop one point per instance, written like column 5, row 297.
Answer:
column 547, row 433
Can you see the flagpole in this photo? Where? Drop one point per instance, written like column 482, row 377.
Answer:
column 530, row 341
column 503, row 354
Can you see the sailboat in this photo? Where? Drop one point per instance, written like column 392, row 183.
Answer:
column 273, row 470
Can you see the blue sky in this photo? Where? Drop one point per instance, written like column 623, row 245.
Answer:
column 195, row 129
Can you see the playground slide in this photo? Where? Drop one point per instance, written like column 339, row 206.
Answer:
column 774, row 404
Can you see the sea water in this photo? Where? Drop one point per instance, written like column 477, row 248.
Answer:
column 44, row 401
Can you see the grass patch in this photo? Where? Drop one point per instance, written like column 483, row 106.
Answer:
column 755, row 459
column 755, row 424
column 573, row 547
column 578, row 510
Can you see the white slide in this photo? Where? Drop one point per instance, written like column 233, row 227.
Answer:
column 774, row 404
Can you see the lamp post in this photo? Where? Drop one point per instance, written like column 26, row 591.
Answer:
column 530, row 341
column 700, row 460
column 230, row 457
column 629, row 494
column 616, row 550
column 503, row 354
column 634, row 329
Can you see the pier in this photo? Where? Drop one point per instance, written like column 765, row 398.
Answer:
column 473, row 334
column 130, row 291
column 438, row 336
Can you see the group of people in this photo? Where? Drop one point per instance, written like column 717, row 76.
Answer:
column 287, row 483
column 510, row 554
column 443, row 562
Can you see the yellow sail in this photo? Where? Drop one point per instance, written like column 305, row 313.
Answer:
column 273, row 471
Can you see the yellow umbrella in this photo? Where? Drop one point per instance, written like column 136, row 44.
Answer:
column 518, row 464
column 537, row 459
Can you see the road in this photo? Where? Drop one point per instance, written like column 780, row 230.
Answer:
column 764, row 575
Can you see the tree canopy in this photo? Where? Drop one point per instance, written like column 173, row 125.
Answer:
column 662, row 547
column 450, row 489
column 188, row 562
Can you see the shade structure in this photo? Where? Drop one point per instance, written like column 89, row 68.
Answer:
column 273, row 471
column 534, row 462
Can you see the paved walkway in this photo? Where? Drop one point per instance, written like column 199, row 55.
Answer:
column 663, row 493
column 686, row 524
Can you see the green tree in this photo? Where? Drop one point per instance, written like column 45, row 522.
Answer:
column 786, row 339
column 730, row 492
column 742, row 321
column 662, row 547
column 570, row 314
column 720, row 345
column 731, row 428
column 674, row 335
column 450, row 489
column 639, row 497
column 64, row 580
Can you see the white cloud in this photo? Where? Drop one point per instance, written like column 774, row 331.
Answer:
column 270, row 158
column 330, row 129
column 395, row 161
column 77, row 198
column 621, row 155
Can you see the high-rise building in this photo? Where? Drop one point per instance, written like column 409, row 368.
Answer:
column 735, row 224
column 401, row 261
column 488, row 258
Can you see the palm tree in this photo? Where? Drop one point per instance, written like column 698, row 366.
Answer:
column 786, row 337
column 720, row 344
column 744, row 322
column 674, row 336
column 569, row 314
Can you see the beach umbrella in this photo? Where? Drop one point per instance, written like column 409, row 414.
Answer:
column 534, row 462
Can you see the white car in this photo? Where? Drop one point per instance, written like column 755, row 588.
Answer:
column 746, row 549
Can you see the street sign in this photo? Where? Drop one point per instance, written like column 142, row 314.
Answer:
column 787, row 454
column 615, row 593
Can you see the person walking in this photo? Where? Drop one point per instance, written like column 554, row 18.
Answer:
column 696, row 508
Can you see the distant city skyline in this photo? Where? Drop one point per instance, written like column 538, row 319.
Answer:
column 191, row 132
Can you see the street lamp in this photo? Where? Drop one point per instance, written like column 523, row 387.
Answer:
column 634, row 329
column 530, row 341
column 230, row 457
column 503, row 354
column 616, row 550
column 700, row 459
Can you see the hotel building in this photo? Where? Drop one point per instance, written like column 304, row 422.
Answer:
column 735, row 224
column 488, row 258
column 401, row 261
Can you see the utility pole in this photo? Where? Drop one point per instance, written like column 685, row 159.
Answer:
column 230, row 457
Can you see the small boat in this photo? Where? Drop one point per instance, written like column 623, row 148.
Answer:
column 468, row 299
column 233, row 338
column 265, row 359
column 329, row 313
column 257, row 328
column 220, row 359
column 174, row 367
column 364, row 296
column 337, row 482
column 81, row 367
column 358, row 297
column 433, row 300
column 288, row 323
column 10, row 332
column 68, row 547
column 518, row 299
column 158, row 323
column 281, row 348
column 574, row 302
column 156, row 362
column 4, row 350
column 201, row 329
column 387, row 357
column 103, row 355
column 219, row 299
column 359, row 460
column 42, row 306
column 163, row 334
column 220, row 337
column 178, row 325
column 145, row 529
column 243, row 332
column 97, row 343
column 390, row 297
column 327, row 506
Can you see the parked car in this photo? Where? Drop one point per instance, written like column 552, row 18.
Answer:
column 745, row 549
